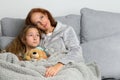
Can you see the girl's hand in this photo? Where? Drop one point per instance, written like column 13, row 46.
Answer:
column 53, row 70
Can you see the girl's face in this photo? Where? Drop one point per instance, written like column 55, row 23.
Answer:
column 32, row 38
column 41, row 20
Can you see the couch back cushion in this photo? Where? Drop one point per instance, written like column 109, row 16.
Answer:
column 71, row 20
column 11, row 26
column 98, row 24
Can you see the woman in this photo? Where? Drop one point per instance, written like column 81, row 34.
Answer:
column 28, row 39
column 59, row 40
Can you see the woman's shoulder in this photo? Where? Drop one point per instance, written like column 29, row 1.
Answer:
column 64, row 26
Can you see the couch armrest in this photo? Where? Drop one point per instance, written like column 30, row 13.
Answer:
column 0, row 30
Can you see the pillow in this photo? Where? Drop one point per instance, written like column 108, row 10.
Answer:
column 98, row 24
column 106, row 53
column 11, row 26
column 71, row 20
column 4, row 41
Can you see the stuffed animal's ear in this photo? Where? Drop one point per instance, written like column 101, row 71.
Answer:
column 28, row 58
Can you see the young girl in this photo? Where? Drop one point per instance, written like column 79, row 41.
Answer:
column 28, row 39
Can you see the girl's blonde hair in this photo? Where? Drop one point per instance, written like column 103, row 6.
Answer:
column 17, row 45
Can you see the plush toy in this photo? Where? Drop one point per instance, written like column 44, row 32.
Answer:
column 35, row 54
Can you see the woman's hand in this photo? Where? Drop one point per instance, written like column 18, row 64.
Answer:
column 53, row 70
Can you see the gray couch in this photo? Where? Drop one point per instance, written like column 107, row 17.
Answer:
column 98, row 32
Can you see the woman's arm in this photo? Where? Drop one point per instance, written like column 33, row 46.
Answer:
column 74, row 52
column 73, row 46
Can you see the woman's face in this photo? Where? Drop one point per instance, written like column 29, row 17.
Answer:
column 32, row 38
column 41, row 20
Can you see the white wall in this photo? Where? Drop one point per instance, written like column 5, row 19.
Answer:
column 20, row 8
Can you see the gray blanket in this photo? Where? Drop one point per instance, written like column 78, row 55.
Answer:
column 13, row 69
